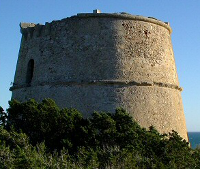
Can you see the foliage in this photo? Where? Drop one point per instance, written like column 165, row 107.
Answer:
column 3, row 117
column 41, row 135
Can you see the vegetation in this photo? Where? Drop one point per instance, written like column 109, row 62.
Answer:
column 41, row 135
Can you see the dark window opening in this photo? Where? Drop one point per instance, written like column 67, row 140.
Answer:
column 30, row 70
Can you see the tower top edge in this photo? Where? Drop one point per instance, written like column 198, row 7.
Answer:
column 124, row 15
column 97, row 14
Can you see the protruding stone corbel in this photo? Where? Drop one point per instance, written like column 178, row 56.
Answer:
column 26, row 28
column 47, row 28
column 38, row 30
column 24, row 25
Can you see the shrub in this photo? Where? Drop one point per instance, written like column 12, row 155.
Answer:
column 41, row 135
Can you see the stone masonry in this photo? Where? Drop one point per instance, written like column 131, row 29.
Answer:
column 99, row 61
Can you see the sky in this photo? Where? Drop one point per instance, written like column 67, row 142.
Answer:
column 183, row 16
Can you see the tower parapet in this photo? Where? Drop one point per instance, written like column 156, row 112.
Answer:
column 37, row 28
column 99, row 61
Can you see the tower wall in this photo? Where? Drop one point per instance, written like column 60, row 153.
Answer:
column 101, row 62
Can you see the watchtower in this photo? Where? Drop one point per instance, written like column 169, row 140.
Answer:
column 101, row 61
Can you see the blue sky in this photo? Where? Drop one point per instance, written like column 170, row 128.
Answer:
column 183, row 15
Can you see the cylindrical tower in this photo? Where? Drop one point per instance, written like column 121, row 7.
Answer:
column 100, row 62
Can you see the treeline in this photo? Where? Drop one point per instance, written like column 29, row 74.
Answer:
column 41, row 135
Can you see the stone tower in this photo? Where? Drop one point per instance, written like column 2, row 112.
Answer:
column 100, row 61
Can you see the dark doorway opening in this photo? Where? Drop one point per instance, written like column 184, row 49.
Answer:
column 30, row 70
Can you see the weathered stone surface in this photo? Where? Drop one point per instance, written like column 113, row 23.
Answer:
column 101, row 62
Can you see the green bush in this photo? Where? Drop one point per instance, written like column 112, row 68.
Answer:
column 41, row 135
